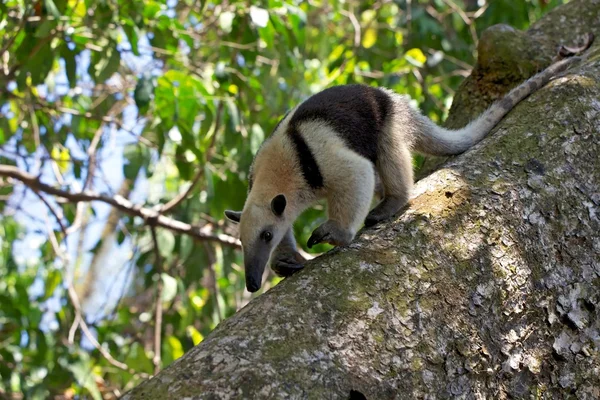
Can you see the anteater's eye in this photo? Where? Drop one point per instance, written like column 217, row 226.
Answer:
column 266, row 236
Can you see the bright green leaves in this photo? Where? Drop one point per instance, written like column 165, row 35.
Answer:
column 415, row 57
column 172, row 349
column 194, row 335
column 60, row 155
column 138, row 359
column 369, row 38
column 80, row 368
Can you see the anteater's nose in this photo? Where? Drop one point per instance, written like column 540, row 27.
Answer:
column 252, row 284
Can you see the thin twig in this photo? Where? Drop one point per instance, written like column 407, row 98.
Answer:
column 119, row 202
column 159, row 310
column 240, row 46
column 468, row 21
column 92, row 153
column 93, row 149
column 355, row 24
column 53, row 211
column 454, row 60
column 174, row 202
column 73, row 330
column 213, row 279
column 79, row 320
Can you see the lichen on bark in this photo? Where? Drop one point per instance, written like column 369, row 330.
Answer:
column 488, row 286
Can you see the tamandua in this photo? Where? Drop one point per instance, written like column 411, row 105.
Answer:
column 329, row 147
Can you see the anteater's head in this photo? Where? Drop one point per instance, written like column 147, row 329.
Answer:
column 262, row 226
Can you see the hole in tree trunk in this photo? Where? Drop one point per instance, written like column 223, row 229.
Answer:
column 356, row 395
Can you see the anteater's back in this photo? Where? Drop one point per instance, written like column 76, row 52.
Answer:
column 358, row 114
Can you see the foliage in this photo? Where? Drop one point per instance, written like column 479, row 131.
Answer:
column 148, row 99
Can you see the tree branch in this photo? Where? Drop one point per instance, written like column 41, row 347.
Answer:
column 119, row 202
column 485, row 286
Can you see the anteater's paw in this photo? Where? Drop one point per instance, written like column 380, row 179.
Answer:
column 330, row 232
column 288, row 265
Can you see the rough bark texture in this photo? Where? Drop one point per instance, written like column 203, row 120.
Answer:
column 487, row 287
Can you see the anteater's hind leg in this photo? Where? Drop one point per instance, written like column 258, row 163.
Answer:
column 395, row 169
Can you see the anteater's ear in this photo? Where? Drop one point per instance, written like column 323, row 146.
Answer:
column 233, row 216
column 278, row 204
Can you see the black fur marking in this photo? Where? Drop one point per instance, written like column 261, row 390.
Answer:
column 358, row 114
column 308, row 164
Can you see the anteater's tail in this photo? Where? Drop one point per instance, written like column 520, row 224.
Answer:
column 436, row 140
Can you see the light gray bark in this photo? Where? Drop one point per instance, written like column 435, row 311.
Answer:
column 487, row 287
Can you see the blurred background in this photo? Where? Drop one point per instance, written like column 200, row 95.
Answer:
column 164, row 103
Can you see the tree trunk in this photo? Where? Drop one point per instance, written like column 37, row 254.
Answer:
column 488, row 286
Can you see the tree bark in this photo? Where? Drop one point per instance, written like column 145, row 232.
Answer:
column 488, row 286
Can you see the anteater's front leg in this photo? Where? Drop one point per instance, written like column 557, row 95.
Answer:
column 285, row 259
column 349, row 193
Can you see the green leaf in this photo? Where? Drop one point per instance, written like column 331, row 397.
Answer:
column 52, row 281
column 108, row 65
column 40, row 64
column 369, row 38
column 169, row 288
column 174, row 347
column 194, row 335
column 138, row 360
column 70, row 64
column 143, row 93
column 131, row 30
column 81, row 370
column 51, row 8
column 44, row 29
column 415, row 57
column 166, row 242
column 258, row 136
column 61, row 157
column 138, row 157
column 233, row 114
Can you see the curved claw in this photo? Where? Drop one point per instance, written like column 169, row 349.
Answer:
column 285, row 267
column 371, row 220
column 316, row 238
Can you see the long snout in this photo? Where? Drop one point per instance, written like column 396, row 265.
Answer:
column 254, row 268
